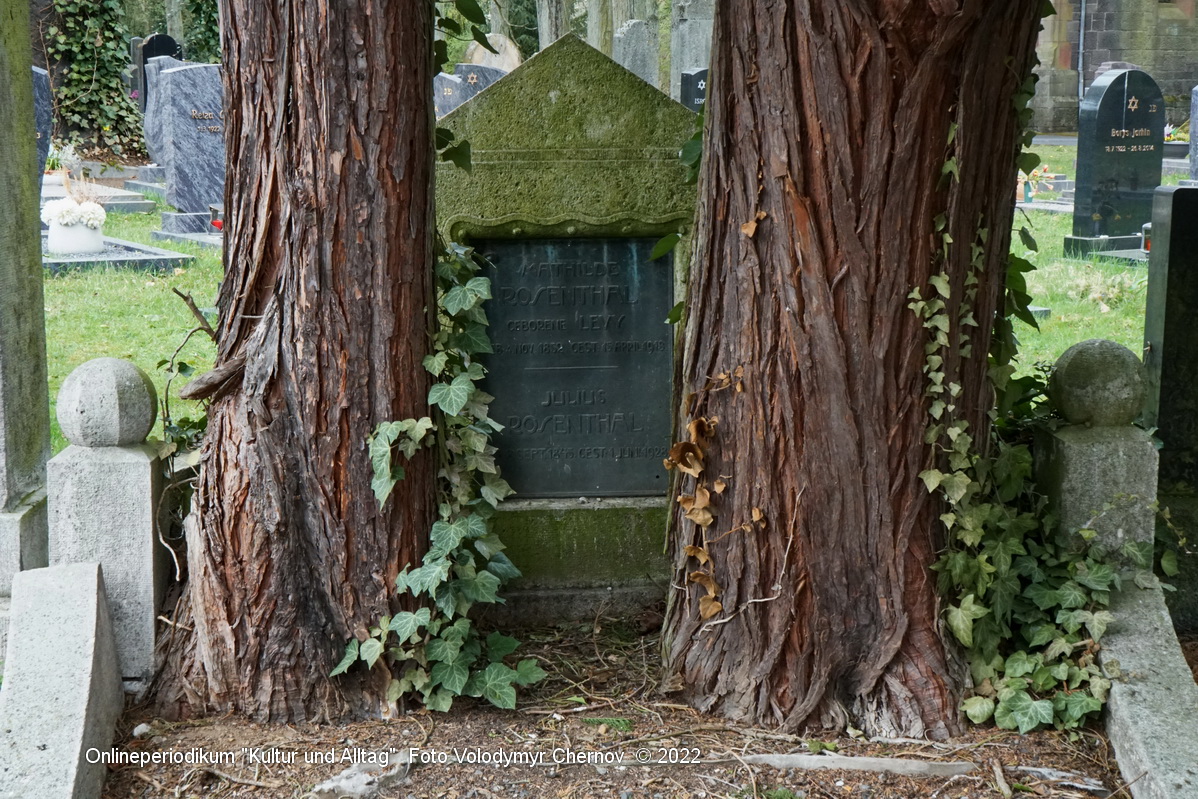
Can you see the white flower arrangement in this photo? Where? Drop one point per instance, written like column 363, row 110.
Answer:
column 66, row 211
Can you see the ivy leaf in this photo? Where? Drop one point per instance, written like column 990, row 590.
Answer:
column 502, row 567
column 1073, row 705
column 481, row 38
column 470, row 10
column 1071, row 595
column 444, row 136
column 439, row 700
column 664, row 245
column 482, row 587
column 1099, row 621
column 458, row 299
column 1019, row 664
column 351, row 655
column 500, row 646
column 406, row 624
column 1043, row 596
column 1169, row 563
column 1026, row 237
column 479, row 287
column 473, row 339
column 450, row 675
column 497, row 686
column 443, row 649
column 528, row 672
column 1020, row 711
column 978, row 708
column 370, row 650
column 675, row 314
column 495, row 489
column 451, row 397
column 1097, row 576
column 960, row 619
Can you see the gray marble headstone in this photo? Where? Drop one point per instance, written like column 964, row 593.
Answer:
column 155, row 107
column 194, row 129
column 475, row 78
column 448, row 93
column 43, row 114
column 634, row 47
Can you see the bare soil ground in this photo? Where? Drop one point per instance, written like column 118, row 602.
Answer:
column 600, row 702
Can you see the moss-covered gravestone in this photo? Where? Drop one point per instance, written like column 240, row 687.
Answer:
column 575, row 178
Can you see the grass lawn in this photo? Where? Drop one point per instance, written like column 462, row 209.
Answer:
column 1091, row 298
column 129, row 314
column 134, row 315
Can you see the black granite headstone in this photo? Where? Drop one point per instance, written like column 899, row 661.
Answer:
column 1170, row 335
column 154, row 45
column 448, row 93
column 694, row 89
column 43, row 117
column 193, row 127
column 475, row 77
column 583, row 364
column 1121, row 131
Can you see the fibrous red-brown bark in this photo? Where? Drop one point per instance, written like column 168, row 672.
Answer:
column 323, row 325
column 828, row 128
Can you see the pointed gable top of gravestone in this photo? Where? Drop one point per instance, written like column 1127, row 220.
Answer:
column 569, row 143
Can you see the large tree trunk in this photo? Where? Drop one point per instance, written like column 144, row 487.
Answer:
column 328, row 278
column 827, row 132
column 553, row 20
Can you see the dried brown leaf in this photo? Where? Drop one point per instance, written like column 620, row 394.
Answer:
column 699, row 553
column 707, row 581
column 700, row 516
column 758, row 515
column 709, row 606
column 687, row 457
column 700, row 430
column 719, row 486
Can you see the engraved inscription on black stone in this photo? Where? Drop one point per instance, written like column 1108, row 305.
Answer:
column 1121, row 130
column 694, row 88
column 1170, row 335
column 583, row 364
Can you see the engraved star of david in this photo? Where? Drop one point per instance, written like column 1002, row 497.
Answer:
column 1133, row 104
column 472, row 79
column 703, row 85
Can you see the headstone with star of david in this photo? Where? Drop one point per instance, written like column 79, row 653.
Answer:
column 1121, row 128
column 475, row 78
column 694, row 88
column 448, row 93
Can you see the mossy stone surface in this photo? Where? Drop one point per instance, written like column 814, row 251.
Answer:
column 569, row 545
column 568, row 144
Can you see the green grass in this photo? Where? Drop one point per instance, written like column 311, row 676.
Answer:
column 1057, row 159
column 129, row 314
column 1089, row 298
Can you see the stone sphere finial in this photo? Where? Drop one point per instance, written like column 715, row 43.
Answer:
column 106, row 402
column 1098, row 383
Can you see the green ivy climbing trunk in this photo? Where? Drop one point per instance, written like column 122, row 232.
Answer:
column 323, row 325
column 843, row 141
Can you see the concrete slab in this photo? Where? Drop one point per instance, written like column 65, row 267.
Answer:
column 124, row 254
column 1152, row 712
column 23, row 539
column 146, row 188
column 213, row 241
column 60, row 648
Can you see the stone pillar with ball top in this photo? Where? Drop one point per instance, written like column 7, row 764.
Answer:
column 103, row 500
column 1099, row 471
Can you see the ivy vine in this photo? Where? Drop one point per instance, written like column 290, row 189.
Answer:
column 87, row 49
column 1026, row 600
column 437, row 651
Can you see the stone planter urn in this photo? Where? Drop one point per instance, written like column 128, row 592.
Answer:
column 74, row 239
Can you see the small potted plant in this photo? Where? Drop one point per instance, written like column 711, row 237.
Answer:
column 76, row 221
column 61, row 160
column 1177, row 140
